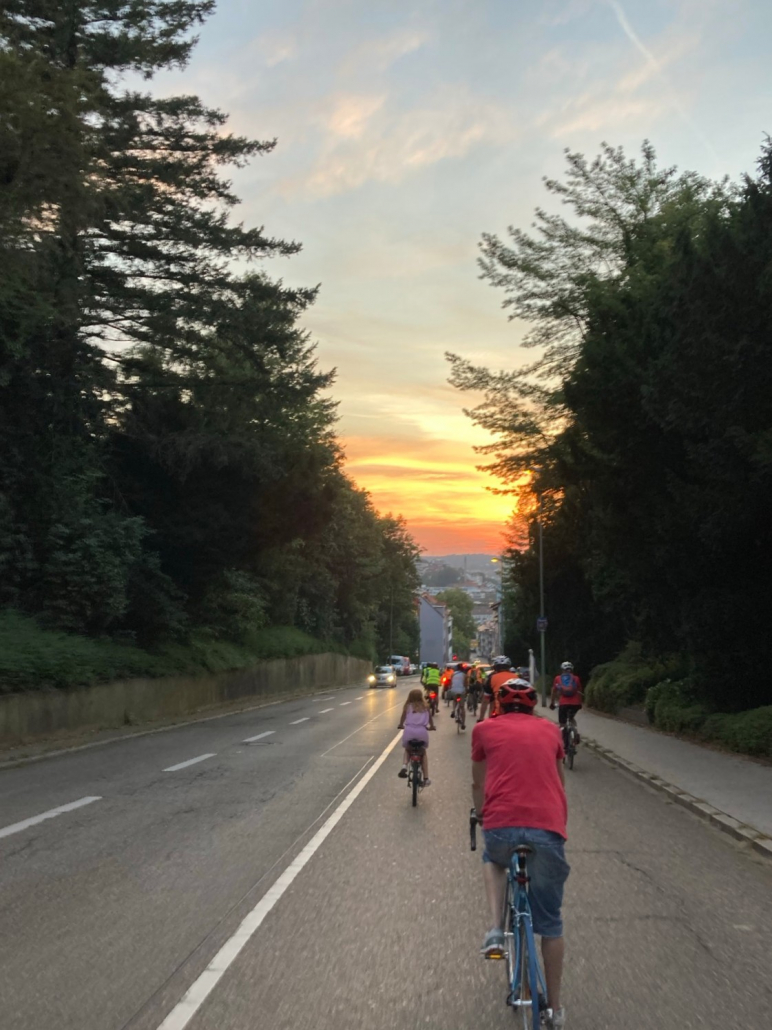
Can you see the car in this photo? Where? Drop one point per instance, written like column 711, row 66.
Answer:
column 401, row 664
column 384, row 676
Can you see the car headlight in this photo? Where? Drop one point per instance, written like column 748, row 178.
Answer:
column 371, row 679
column 389, row 679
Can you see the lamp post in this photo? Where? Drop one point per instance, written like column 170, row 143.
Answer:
column 542, row 618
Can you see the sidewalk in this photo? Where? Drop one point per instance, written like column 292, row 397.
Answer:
column 734, row 785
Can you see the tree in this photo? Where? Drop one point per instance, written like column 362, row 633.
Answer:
column 646, row 421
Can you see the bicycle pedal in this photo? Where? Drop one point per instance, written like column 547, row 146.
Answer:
column 496, row 955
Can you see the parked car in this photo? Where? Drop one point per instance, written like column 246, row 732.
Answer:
column 384, row 676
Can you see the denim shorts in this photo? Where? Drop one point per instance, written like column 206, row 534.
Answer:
column 547, row 868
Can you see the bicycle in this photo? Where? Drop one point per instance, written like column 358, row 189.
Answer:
column 431, row 699
column 472, row 701
column 524, row 972
column 458, row 714
column 415, row 773
column 570, row 734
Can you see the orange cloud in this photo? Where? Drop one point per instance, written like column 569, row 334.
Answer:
column 434, row 484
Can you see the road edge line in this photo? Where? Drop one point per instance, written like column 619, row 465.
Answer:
column 195, row 996
column 743, row 832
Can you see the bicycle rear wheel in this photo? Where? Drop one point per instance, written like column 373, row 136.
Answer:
column 416, row 785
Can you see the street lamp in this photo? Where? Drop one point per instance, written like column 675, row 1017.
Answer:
column 541, row 622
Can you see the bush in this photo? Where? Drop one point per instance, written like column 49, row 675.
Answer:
column 747, row 732
column 33, row 658
column 671, row 708
column 626, row 679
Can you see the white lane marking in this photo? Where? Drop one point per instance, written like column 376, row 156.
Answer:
column 260, row 736
column 361, row 696
column 304, row 719
column 199, row 991
column 344, row 703
column 360, row 728
column 321, row 700
column 190, row 761
column 324, row 711
column 6, row 831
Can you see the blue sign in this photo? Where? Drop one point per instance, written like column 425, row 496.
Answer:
column 541, row 624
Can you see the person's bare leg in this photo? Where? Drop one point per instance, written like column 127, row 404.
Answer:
column 495, row 879
column 552, row 949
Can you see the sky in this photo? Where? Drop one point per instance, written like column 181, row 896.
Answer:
column 405, row 130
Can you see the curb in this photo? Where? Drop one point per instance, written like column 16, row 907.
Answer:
column 757, row 840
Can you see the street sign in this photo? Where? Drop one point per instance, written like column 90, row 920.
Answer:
column 541, row 624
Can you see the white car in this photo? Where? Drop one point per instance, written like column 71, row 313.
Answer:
column 384, row 676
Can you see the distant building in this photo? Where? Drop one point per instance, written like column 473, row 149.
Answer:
column 436, row 626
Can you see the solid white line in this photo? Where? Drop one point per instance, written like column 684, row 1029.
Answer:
column 6, row 831
column 321, row 700
column 304, row 719
column 324, row 711
column 190, row 761
column 344, row 703
column 199, row 991
column 258, row 737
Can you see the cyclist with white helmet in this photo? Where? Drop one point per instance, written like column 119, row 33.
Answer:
column 567, row 691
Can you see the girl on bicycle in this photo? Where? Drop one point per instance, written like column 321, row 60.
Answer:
column 416, row 722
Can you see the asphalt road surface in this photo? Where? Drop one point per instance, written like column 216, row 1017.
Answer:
column 266, row 870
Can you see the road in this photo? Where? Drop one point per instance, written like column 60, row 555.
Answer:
column 287, row 883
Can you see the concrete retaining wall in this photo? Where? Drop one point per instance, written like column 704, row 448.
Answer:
column 25, row 717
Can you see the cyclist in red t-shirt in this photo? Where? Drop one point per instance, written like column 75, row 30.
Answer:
column 518, row 792
column 567, row 690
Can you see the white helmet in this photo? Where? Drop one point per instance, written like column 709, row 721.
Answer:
column 566, row 666
column 502, row 660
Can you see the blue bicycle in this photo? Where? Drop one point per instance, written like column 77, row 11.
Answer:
column 524, row 974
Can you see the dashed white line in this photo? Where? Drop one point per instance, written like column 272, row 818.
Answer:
column 190, row 761
column 260, row 736
column 321, row 700
column 324, row 711
column 304, row 719
column 361, row 696
column 344, row 703
column 182, row 1013
column 6, row 831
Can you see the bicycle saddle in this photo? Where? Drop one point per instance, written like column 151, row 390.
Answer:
column 523, row 849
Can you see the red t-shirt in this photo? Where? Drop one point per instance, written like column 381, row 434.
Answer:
column 569, row 699
column 522, row 783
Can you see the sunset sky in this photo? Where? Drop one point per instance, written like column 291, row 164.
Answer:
column 406, row 129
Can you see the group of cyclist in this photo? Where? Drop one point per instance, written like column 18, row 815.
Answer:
column 462, row 681
column 518, row 790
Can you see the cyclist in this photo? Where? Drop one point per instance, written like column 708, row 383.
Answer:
column 474, row 684
column 430, row 678
column 518, row 791
column 416, row 721
column 567, row 689
column 502, row 671
column 457, row 689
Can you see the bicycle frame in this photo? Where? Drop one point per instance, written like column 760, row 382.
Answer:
column 521, row 943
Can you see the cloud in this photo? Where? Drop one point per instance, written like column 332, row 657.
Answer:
column 434, row 484
column 350, row 115
column 370, row 140
column 378, row 55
